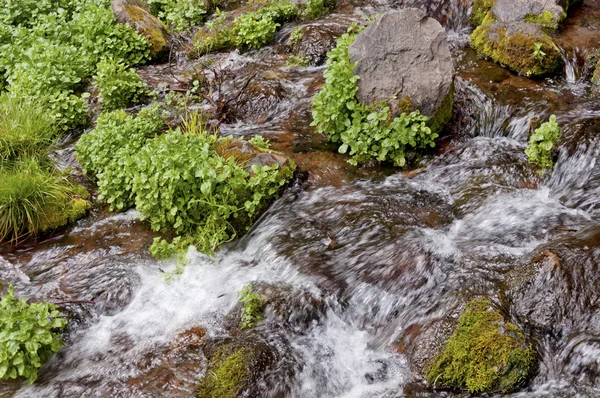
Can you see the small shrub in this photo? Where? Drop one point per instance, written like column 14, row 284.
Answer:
column 296, row 35
column 541, row 142
column 25, row 128
column 365, row 132
column 180, row 14
column 295, row 60
column 259, row 142
column 252, row 311
column 118, row 86
column 34, row 199
column 317, row 8
column 107, row 152
column 485, row 353
column 29, row 335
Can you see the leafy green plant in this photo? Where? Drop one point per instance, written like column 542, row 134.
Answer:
column 259, row 142
column 29, row 335
column 180, row 14
column 296, row 35
column 25, row 128
column 34, row 199
column 538, row 53
column 118, row 86
column 541, row 142
column 485, row 353
column 295, row 60
column 178, row 180
column 107, row 152
column 317, row 8
column 364, row 132
column 253, row 307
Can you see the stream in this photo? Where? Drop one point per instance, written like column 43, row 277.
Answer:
column 363, row 260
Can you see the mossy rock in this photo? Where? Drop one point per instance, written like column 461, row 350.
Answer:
column 546, row 19
column 136, row 14
column 481, row 9
column 484, row 354
column 234, row 368
column 514, row 45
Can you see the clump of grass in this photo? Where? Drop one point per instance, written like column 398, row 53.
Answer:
column 34, row 199
column 26, row 129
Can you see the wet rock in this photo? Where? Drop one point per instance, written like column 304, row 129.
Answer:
column 136, row 14
column 404, row 58
column 284, row 307
column 260, row 98
column 247, row 365
column 174, row 369
column 317, row 40
column 544, row 13
column 515, row 45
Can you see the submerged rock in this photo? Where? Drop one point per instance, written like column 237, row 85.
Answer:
column 404, row 59
column 136, row 14
column 522, row 47
column 484, row 354
column 317, row 40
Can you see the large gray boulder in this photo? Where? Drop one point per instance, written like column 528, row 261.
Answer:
column 404, row 58
column 542, row 12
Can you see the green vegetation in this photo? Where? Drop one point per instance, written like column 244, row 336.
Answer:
column 485, row 353
column 33, row 196
column 545, row 19
column 481, row 11
column 296, row 35
column 295, row 60
column 25, row 129
column 518, row 51
column 541, row 143
column 365, row 132
column 180, row 181
column 49, row 49
column 317, row 8
column 180, row 14
column 29, row 334
column 227, row 375
column 34, row 199
column 118, row 86
column 252, row 311
column 251, row 30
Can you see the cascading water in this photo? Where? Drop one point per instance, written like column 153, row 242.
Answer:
column 362, row 262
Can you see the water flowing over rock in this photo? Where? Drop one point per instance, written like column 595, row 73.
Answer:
column 136, row 14
column 404, row 58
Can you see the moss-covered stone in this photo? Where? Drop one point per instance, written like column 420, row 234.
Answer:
column 546, row 19
column 484, row 354
column 481, row 11
column 442, row 116
column 227, row 375
column 514, row 45
column 73, row 210
column 136, row 14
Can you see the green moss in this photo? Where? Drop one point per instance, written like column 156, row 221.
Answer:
column 545, row 19
column 481, row 11
column 517, row 51
column 150, row 27
column 442, row 116
column 227, row 374
column 485, row 353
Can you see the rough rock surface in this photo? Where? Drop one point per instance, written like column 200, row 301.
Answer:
column 317, row 40
column 404, row 56
column 514, row 45
column 521, row 10
column 136, row 14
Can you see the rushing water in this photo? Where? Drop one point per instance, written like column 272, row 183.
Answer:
column 360, row 258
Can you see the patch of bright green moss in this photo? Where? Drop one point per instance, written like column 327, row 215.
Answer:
column 226, row 376
column 442, row 116
column 517, row 51
column 545, row 19
column 485, row 353
column 150, row 27
column 481, row 13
